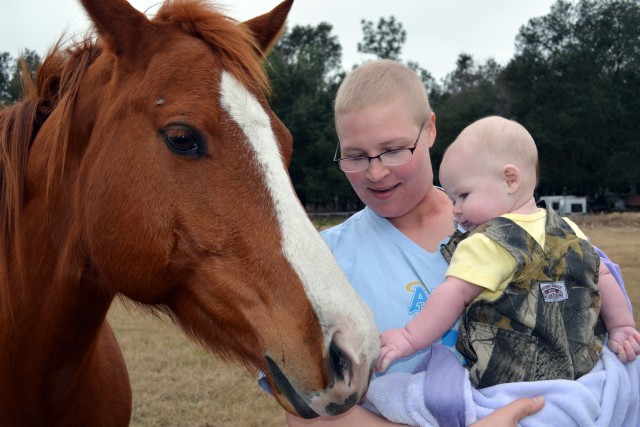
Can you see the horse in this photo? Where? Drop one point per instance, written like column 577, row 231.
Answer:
column 144, row 163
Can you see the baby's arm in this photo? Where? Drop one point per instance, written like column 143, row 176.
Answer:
column 439, row 314
column 624, row 338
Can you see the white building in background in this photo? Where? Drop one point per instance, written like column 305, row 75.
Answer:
column 566, row 205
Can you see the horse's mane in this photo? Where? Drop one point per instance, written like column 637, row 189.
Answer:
column 56, row 84
column 56, row 87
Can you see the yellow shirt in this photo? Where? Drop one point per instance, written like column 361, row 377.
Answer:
column 481, row 261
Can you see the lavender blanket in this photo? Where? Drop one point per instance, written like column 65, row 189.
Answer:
column 608, row 396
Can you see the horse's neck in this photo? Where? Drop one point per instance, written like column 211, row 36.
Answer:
column 56, row 307
column 57, row 346
column 55, row 301
column 51, row 338
column 58, row 351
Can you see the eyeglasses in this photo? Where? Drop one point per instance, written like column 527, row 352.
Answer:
column 396, row 157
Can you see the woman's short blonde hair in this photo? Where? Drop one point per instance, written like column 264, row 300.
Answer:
column 382, row 81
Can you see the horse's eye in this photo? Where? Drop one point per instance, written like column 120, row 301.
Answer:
column 183, row 140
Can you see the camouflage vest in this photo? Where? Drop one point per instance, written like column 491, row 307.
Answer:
column 546, row 324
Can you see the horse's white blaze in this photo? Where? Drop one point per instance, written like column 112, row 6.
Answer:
column 337, row 305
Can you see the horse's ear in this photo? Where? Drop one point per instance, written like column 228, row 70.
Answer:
column 118, row 23
column 267, row 28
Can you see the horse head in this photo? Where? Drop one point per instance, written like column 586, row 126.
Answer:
column 162, row 174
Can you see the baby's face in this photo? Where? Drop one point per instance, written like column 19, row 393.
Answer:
column 476, row 188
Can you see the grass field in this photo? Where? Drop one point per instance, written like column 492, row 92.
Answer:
column 176, row 383
column 618, row 234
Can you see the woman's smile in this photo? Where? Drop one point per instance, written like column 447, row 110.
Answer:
column 383, row 192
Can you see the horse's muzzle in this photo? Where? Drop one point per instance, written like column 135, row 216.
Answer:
column 347, row 382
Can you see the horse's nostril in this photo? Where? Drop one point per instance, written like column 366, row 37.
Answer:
column 339, row 363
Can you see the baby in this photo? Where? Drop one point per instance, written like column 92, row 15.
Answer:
column 525, row 280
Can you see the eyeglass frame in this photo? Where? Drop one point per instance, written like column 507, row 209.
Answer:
column 379, row 156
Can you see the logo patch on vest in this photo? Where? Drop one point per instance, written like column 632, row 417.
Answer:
column 553, row 291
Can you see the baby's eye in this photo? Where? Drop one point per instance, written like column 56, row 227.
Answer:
column 464, row 195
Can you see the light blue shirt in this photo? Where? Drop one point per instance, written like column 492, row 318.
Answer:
column 392, row 274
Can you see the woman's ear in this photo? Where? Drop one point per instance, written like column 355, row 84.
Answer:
column 431, row 130
column 512, row 177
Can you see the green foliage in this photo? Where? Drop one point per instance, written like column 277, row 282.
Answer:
column 429, row 82
column 5, row 61
column 469, row 93
column 385, row 40
column 11, row 74
column 305, row 69
column 574, row 82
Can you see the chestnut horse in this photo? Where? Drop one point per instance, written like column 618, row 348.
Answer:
column 145, row 162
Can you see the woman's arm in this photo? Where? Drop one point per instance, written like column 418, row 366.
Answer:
column 355, row 417
column 507, row 416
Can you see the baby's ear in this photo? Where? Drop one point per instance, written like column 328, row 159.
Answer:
column 511, row 175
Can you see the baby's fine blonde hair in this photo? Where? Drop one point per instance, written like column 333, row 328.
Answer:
column 502, row 140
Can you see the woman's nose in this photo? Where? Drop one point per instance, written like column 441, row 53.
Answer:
column 377, row 170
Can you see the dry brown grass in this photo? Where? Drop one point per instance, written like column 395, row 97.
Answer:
column 176, row 383
column 618, row 235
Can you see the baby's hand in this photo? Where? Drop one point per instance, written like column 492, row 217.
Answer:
column 393, row 345
column 625, row 342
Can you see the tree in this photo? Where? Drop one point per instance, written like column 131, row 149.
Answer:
column 385, row 41
column 30, row 60
column 575, row 84
column 469, row 92
column 305, row 70
column 5, row 61
column 463, row 77
column 433, row 88
column 11, row 74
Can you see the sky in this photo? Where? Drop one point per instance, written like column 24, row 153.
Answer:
column 437, row 30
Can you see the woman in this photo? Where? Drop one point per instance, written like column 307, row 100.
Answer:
column 390, row 250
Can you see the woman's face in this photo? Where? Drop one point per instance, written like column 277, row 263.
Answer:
column 391, row 191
